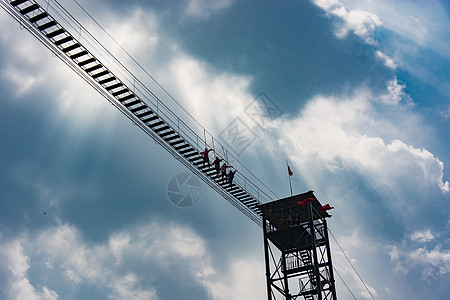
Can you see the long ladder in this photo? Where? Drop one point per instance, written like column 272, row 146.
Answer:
column 158, row 122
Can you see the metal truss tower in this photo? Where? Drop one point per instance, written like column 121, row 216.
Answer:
column 296, row 229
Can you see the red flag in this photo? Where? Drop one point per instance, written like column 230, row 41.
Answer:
column 290, row 172
column 325, row 208
column 303, row 202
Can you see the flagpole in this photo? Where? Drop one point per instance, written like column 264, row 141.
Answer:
column 290, row 183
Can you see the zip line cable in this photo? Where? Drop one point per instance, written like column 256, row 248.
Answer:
column 350, row 291
column 354, row 269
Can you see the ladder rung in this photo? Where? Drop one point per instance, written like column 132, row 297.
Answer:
column 156, row 124
column 79, row 54
column 87, row 61
column 226, row 185
column 115, row 94
column 63, row 40
column 164, row 134
column 176, row 143
column 120, row 92
column 170, row 138
column 239, row 193
column 107, row 80
column 217, row 178
column 47, row 25
column 114, row 86
column 252, row 205
column 29, row 9
column 93, row 68
column 132, row 103
column 191, row 154
column 162, row 128
column 155, row 117
column 193, row 160
column 223, row 183
column 17, row 2
column 144, row 114
column 234, row 188
column 138, row 108
column 100, row 74
column 198, row 163
column 70, row 48
column 38, row 17
column 246, row 201
column 246, row 198
column 197, row 160
column 186, row 150
column 181, row 147
column 127, row 97
column 55, row 33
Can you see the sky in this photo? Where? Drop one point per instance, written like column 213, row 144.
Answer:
column 355, row 94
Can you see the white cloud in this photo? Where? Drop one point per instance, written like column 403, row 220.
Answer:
column 239, row 281
column 214, row 99
column 388, row 62
column 395, row 93
column 360, row 22
column 14, row 267
column 433, row 263
column 203, row 9
column 423, row 236
column 349, row 133
column 124, row 267
column 339, row 132
column 446, row 113
column 424, row 23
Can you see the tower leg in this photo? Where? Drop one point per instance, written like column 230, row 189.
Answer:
column 266, row 258
column 330, row 266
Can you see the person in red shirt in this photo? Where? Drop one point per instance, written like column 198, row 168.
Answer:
column 216, row 164
column 206, row 157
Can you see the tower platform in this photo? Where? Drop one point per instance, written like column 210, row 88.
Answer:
column 288, row 221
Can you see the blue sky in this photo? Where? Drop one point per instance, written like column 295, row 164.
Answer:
column 362, row 90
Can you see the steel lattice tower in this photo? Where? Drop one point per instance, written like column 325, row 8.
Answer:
column 298, row 230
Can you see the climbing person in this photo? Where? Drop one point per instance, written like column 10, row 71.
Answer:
column 231, row 176
column 216, row 164
column 223, row 170
column 206, row 157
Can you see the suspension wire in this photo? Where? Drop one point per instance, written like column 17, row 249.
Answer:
column 344, row 283
column 159, row 85
column 354, row 269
